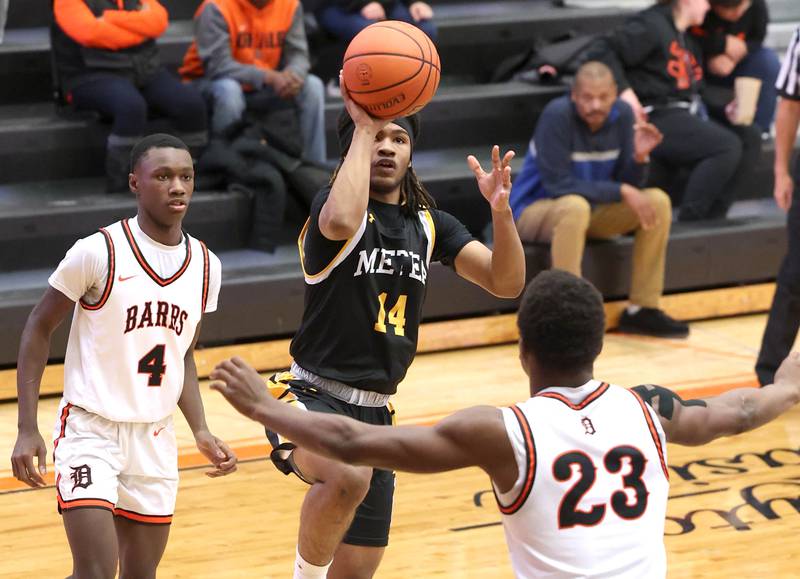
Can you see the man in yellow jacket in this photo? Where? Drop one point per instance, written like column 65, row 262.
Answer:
column 255, row 45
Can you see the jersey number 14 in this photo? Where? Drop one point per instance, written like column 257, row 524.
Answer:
column 396, row 316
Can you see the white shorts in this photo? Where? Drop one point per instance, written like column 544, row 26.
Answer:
column 128, row 468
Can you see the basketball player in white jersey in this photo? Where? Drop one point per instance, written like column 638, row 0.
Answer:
column 579, row 469
column 138, row 290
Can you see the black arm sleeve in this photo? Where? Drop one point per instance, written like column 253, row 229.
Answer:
column 663, row 400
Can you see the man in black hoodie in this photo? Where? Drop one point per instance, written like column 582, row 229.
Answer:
column 658, row 67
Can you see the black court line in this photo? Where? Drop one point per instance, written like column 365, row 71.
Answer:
column 698, row 493
column 184, row 469
column 481, row 526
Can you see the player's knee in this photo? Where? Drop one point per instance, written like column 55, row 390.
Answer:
column 349, row 484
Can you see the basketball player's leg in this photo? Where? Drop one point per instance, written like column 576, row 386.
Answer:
column 87, row 465
column 329, row 505
column 93, row 542
column 141, row 546
column 347, row 510
column 355, row 562
column 146, row 502
column 362, row 548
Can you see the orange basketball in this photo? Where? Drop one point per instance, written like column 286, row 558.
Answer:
column 391, row 69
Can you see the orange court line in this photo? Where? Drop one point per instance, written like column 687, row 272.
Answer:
column 716, row 389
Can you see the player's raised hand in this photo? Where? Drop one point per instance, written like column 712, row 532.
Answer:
column 361, row 118
column 241, row 385
column 219, row 453
column 28, row 445
column 496, row 184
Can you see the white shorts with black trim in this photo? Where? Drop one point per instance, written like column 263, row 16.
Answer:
column 128, row 468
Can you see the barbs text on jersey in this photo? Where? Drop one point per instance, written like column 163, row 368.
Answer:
column 166, row 316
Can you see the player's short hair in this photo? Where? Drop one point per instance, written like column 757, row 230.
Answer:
column 155, row 141
column 561, row 321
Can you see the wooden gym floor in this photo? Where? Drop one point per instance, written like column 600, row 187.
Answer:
column 734, row 508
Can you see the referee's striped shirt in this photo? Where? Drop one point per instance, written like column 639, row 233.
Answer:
column 788, row 83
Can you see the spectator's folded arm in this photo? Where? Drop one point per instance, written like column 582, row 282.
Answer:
column 151, row 21
column 80, row 24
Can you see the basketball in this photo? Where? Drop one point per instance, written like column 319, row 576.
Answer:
column 391, row 69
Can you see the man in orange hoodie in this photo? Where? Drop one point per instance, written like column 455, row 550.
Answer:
column 107, row 61
column 244, row 46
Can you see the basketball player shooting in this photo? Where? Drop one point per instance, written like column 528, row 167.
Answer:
column 365, row 252
column 138, row 290
column 578, row 469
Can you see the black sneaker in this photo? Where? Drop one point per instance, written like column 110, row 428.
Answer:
column 652, row 322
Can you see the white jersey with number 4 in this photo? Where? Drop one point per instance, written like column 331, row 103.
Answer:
column 591, row 495
column 138, row 307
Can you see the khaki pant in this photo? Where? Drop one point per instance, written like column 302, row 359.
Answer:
column 566, row 222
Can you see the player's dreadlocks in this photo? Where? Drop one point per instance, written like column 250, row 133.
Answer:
column 413, row 195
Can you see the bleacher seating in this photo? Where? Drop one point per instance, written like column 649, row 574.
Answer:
column 51, row 174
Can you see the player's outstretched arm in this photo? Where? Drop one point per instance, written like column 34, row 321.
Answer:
column 472, row 437
column 191, row 405
column 343, row 211
column 34, row 349
column 694, row 422
column 500, row 271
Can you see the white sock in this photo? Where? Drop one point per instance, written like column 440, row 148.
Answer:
column 305, row 570
column 633, row 309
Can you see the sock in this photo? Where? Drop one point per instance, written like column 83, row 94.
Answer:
column 633, row 309
column 305, row 570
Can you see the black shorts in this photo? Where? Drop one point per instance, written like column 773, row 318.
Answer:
column 370, row 527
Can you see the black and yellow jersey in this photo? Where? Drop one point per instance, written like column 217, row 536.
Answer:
column 364, row 295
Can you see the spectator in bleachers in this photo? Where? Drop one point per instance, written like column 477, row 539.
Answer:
column 659, row 72
column 346, row 18
column 107, row 61
column 243, row 47
column 732, row 36
column 582, row 177
column 784, row 315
